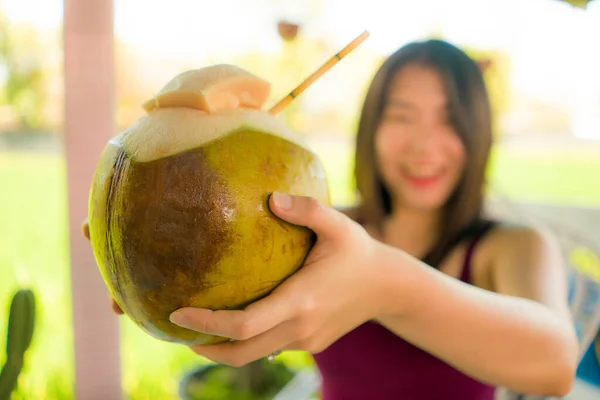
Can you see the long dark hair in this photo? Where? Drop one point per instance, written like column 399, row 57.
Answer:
column 471, row 116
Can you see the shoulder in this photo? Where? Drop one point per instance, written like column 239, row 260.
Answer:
column 508, row 239
column 525, row 260
column 518, row 251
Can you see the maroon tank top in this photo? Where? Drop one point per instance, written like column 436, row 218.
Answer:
column 371, row 362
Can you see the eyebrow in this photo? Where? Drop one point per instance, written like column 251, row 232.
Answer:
column 403, row 104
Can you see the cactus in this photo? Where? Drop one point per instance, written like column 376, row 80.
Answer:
column 20, row 332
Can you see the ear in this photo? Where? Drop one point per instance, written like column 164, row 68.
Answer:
column 484, row 64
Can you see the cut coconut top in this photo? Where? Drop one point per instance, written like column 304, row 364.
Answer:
column 171, row 131
column 199, row 106
column 211, row 89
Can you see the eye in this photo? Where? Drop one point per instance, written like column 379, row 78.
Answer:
column 397, row 117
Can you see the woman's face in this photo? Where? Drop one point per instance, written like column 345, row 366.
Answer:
column 419, row 154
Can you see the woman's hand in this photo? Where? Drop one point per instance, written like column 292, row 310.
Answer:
column 336, row 290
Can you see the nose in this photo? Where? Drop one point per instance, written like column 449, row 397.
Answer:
column 423, row 137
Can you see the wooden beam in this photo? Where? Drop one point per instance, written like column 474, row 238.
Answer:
column 89, row 123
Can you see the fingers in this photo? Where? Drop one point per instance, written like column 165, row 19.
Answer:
column 257, row 318
column 307, row 211
column 115, row 307
column 240, row 353
column 85, row 229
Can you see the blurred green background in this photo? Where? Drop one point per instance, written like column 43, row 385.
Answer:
column 547, row 124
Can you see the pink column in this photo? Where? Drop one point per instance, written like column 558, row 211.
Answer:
column 89, row 123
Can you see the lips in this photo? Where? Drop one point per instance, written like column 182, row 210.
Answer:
column 421, row 179
column 423, row 182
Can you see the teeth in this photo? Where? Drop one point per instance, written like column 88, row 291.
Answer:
column 422, row 174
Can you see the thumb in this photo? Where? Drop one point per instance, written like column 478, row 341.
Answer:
column 85, row 229
column 306, row 211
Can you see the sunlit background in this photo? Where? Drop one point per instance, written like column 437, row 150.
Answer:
column 544, row 79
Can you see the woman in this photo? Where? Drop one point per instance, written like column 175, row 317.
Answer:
column 414, row 294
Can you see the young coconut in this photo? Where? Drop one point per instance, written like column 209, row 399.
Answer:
column 178, row 212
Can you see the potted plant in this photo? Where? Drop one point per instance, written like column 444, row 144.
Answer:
column 19, row 334
column 259, row 380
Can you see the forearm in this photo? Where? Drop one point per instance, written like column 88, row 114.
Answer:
column 502, row 340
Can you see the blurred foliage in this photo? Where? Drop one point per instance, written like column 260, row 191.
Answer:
column 258, row 380
column 586, row 261
column 24, row 86
column 31, row 82
column 497, row 76
column 578, row 3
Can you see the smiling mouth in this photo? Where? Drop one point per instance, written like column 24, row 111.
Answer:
column 422, row 180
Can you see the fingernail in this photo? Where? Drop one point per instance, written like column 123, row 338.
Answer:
column 178, row 318
column 282, row 201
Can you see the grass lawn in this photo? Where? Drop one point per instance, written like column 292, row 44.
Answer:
column 34, row 250
column 563, row 177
